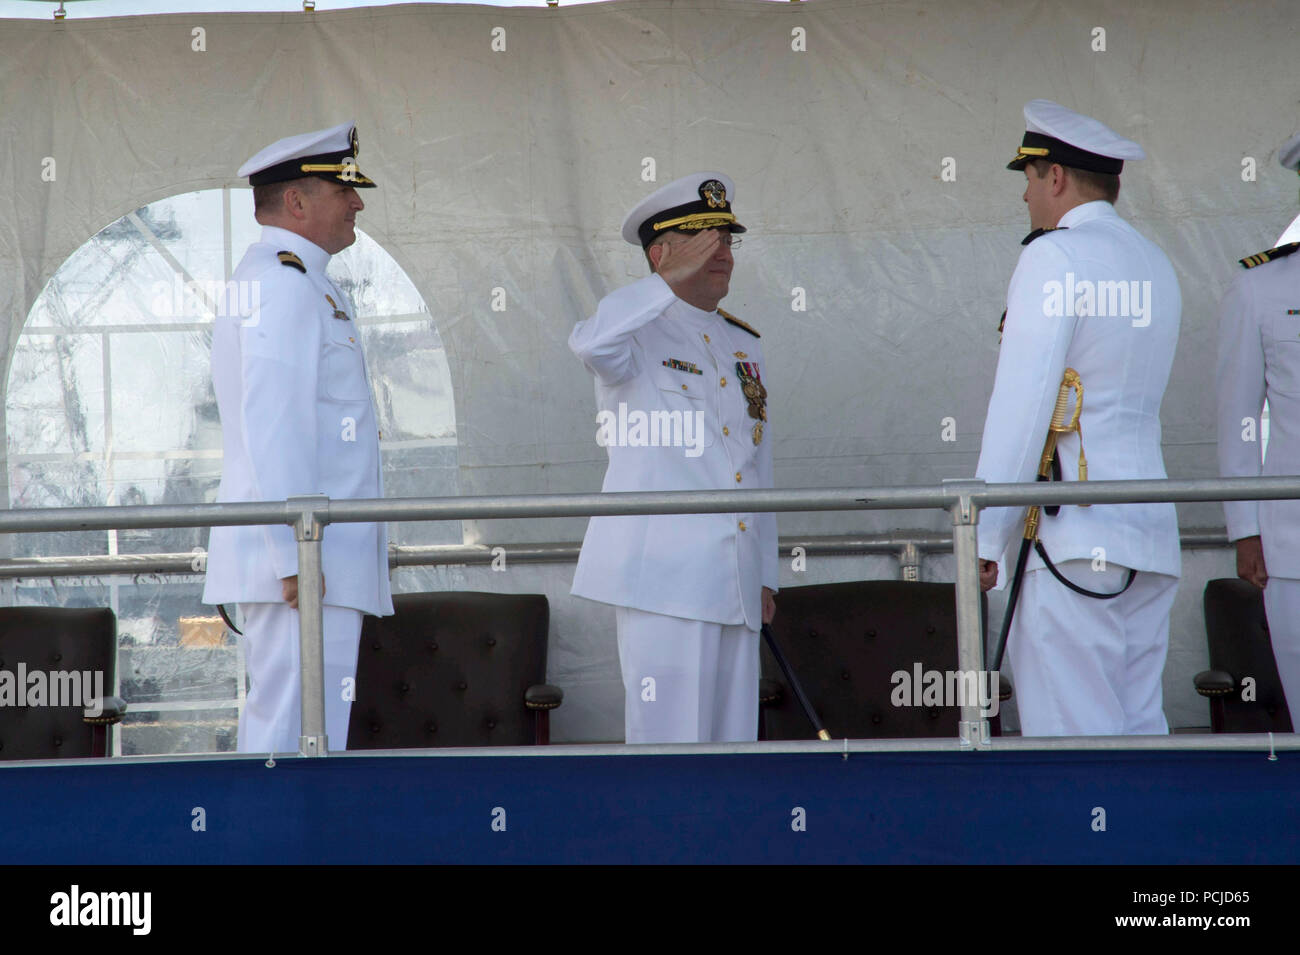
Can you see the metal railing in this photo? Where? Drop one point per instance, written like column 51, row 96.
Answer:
column 963, row 499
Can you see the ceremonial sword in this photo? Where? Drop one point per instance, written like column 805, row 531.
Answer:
column 1069, row 382
column 793, row 680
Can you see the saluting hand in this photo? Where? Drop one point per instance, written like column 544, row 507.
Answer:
column 682, row 261
column 1250, row 561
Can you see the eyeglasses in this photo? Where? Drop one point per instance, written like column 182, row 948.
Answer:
column 728, row 239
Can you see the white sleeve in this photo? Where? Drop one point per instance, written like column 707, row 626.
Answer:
column 1241, row 396
column 1030, row 365
column 604, row 341
column 280, row 363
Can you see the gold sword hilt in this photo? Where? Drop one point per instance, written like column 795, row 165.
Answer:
column 1070, row 382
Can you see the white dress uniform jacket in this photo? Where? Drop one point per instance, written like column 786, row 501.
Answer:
column 644, row 345
column 1259, row 353
column 1123, row 361
column 297, row 419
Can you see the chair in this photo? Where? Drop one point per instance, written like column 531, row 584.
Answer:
column 1237, row 633
column 454, row 669
column 845, row 642
column 74, row 652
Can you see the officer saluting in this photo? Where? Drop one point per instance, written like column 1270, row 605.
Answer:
column 1259, row 358
column 1092, row 295
column 296, row 418
column 682, row 395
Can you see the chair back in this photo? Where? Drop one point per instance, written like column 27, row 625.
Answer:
column 449, row 669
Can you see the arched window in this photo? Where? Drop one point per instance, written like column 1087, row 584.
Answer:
column 109, row 401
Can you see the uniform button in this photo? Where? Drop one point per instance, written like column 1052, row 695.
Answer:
column 724, row 381
column 742, row 525
column 726, row 430
column 706, row 338
column 737, row 477
column 684, row 388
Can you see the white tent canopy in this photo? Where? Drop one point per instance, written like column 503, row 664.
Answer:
column 867, row 142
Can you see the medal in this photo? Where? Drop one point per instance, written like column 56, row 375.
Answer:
column 341, row 315
column 758, row 432
column 754, row 391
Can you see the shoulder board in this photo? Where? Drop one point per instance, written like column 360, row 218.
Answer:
column 738, row 323
column 1259, row 258
column 291, row 260
column 1037, row 232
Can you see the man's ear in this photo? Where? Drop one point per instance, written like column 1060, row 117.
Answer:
column 1060, row 178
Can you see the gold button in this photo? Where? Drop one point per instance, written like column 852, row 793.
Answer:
column 684, row 388
column 726, row 430
column 724, row 381
column 737, row 477
column 706, row 338
column 742, row 525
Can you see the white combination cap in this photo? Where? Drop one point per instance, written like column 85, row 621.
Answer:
column 699, row 201
column 1289, row 154
column 1060, row 135
column 327, row 154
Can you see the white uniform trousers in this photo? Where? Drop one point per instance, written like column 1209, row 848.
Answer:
column 1282, row 606
column 687, row 681
column 271, row 721
column 1089, row 667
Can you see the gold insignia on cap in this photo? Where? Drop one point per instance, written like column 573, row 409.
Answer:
column 356, row 147
column 714, row 193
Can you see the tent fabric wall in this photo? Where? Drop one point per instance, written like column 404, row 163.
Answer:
column 511, row 169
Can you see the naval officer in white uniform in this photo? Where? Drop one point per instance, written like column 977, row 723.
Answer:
column 1085, row 664
column 682, row 399
column 1259, row 358
column 296, row 418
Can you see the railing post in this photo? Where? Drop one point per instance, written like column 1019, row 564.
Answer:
column 974, row 726
column 309, row 528
column 909, row 561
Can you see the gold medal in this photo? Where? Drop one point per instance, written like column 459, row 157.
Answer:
column 758, row 433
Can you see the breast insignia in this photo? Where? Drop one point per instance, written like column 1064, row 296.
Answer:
column 1259, row 258
column 738, row 323
column 291, row 260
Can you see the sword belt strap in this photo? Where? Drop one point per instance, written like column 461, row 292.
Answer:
column 1042, row 552
column 1051, row 510
column 226, row 617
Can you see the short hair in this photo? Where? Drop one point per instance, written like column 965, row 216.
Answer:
column 267, row 198
column 1093, row 185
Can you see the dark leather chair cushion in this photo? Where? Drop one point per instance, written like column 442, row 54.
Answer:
column 54, row 639
column 845, row 642
column 1237, row 632
column 452, row 669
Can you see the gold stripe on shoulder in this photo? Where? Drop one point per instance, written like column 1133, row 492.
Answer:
column 738, row 323
column 1259, row 258
column 291, row 260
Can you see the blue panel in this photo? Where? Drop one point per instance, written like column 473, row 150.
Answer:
column 1164, row 808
